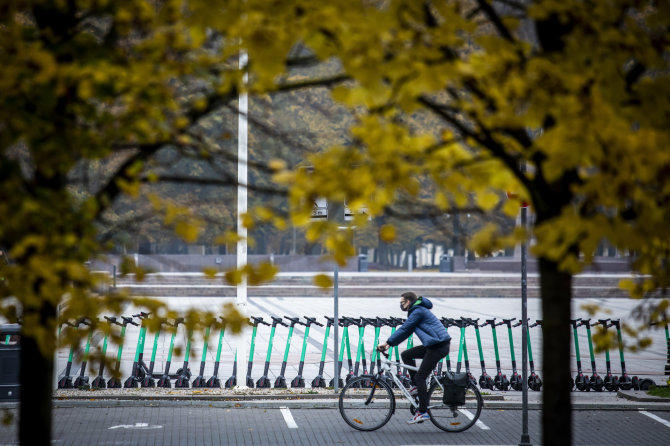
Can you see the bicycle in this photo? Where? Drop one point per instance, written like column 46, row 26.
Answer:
column 371, row 407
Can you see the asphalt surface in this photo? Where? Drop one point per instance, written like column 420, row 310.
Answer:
column 291, row 426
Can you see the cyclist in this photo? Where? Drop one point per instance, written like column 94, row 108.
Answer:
column 435, row 340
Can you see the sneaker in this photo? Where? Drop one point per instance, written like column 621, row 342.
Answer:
column 413, row 391
column 419, row 417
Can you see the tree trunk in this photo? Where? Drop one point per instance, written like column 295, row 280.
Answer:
column 36, row 374
column 556, row 292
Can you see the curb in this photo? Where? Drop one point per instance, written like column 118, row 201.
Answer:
column 321, row 403
column 641, row 396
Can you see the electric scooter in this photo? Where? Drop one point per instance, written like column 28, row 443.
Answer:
column 299, row 381
column 99, row 381
column 611, row 382
column 66, row 381
column 581, row 381
column 534, row 381
column 595, row 381
column 139, row 367
column 360, row 353
column 500, row 381
column 485, row 380
column 115, row 382
column 280, row 381
column 200, row 381
column 264, row 382
column 344, row 341
column 214, row 381
column 184, row 373
column 232, row 381
column 81, row 382
column 462, row 323
column 373, row 357
column 318, row 380
column 400, row 372
column 515, row 380
column 149, row 380
column 164, row 381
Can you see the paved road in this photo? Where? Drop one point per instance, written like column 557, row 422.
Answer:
column 274, row 426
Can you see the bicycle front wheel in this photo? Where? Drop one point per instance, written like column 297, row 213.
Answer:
column 366, row 408
column 454, row 418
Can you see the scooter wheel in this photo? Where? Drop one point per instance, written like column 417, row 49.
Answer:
column 636, row 383
column 625, row 383
column 318, row 382
column 534, row 383
column 582, row 383
column 501, row 382
column 597, row 383
column 572, row 384
column 611, row 383
column 486, row 382
column 515, row 382
column 148, row 382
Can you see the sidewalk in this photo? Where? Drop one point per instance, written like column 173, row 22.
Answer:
column 325, row 398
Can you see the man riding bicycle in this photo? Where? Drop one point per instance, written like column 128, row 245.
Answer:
column 435, row 340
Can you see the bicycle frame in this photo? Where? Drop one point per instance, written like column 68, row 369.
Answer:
column 384, row 369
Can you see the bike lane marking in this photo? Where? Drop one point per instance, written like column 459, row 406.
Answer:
column 470, row 416
column 656, row 418
column 290, row 422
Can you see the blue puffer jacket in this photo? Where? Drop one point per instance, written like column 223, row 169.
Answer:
column 422, row 321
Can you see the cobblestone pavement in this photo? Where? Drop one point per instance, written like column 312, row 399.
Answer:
column 277, row 426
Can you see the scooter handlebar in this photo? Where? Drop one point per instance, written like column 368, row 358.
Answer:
column 520, row 322
column 278, row 321
column 294, row 320
column 258, row 320
column 129, row 320
column 508, row 321
column 111, row 320
column 469, row 321
column 312, row 320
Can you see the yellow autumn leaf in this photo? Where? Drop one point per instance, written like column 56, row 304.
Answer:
column 323, row 281
column 387, row 233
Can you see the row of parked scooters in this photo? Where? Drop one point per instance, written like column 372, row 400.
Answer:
column 143, row 374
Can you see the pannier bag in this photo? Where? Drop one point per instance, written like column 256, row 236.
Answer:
column 455, row 386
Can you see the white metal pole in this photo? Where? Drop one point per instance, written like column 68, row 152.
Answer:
column 242, row 178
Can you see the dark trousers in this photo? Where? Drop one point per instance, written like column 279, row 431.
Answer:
column 431, row 356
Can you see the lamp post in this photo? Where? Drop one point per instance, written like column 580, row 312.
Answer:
column 242, row 178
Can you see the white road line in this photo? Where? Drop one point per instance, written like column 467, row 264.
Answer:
column 290, row 422
column 654, row 417
column 470, row 416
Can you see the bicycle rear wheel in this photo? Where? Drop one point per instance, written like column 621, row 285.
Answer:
column 454, row 418
column 368, row 408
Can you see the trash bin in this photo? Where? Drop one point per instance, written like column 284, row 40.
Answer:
column 10, row 359
column 362, row 263
column 446, row 263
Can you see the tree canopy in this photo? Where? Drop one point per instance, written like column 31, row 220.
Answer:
column 564, row 103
